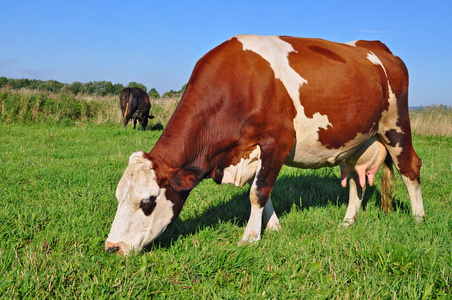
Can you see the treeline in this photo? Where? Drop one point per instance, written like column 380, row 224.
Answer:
column 96, row 88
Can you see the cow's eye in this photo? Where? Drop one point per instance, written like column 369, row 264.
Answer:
column 148, row 205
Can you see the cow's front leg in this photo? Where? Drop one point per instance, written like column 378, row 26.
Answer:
column 269, row 166
column 258, row 213
column 253, row 229
column 270, row 219
column 356, row 195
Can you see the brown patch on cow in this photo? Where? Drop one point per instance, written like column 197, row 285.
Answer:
column 327, row 53
column 408, row 162
column 416, row 164
column 374, row 46
column 351, row 95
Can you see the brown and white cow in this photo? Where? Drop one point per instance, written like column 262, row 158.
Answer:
column 255, row 103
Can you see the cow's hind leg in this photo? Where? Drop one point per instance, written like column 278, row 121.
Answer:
column 408, row 164
column 125, row 121
column 356, row 194
column 126, row 116
column 414, row 190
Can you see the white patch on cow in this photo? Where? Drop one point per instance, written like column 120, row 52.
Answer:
column 131, row 228
column 376, row 61
column 242, row 172
column 276, row 52
column 390, row 117
column 352, row 43
column 252, row 231
column 414, row 190
column 356, row 194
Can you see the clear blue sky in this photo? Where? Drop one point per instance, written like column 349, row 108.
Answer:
column 157, row 43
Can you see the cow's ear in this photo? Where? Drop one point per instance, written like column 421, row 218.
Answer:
column 185, row 179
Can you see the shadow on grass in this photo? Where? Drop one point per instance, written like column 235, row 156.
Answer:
column 320, row 189
column 156, row 127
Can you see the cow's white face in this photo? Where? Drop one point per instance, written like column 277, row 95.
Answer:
column 143, row 210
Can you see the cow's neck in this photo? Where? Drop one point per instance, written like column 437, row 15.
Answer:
column 189, row 140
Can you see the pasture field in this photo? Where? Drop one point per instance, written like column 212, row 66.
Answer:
column 57, row 203
column 63, row 155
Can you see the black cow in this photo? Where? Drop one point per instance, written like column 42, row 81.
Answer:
column 135, row 105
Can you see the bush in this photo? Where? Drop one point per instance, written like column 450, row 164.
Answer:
column 137, row 85
column 98, row 88
column 153, row 94
column 65, row 108
column 173, row 93
column 27, row 107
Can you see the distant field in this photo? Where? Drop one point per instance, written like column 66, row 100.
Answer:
column 57, row 186
column 31, row 107
column 435, row 120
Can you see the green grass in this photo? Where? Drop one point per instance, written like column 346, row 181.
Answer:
column 57, row 186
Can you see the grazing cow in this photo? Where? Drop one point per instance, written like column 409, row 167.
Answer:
column 135, row 105
column 255, row 103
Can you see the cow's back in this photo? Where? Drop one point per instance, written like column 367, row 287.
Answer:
column 323, row 99
column 336, row 92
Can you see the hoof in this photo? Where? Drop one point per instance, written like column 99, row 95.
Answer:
column 347, row 223
column 273, row 227
column 249, row 240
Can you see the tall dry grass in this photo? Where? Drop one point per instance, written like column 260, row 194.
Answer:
column 109, row 108
column 162, row 109
column 435, row 120
column 110, row 111
column 27, row 106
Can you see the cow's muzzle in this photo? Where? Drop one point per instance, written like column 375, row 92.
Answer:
column 115, row 248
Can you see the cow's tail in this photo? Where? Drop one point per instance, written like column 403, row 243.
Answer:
column 126, row 112
column 387, row 183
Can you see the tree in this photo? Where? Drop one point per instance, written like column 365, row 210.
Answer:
column 76, row 87
column 88, row 88
column 51, row 86
column 3, row 81
column 169, row 94
column 138, row 85
column 173, row 93
column 182, row 90
column 102, row 88
column 118, row 87
column 153, row 94
column 34, row 84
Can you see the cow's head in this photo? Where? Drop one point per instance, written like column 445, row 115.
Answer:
column 145, row 209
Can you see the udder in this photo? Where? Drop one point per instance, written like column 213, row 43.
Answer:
column 366, row 161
